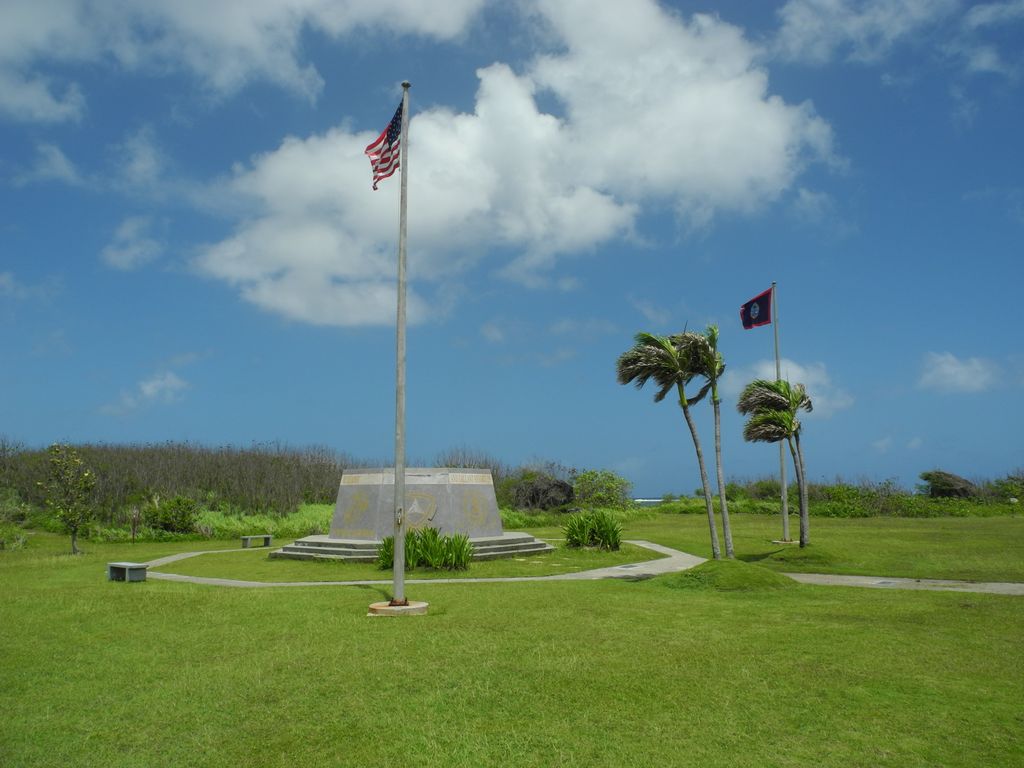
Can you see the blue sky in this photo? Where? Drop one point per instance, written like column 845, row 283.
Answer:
column 190, row 248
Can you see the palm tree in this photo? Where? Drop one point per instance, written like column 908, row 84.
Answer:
column 711, row 365
column 670, row 364
column 773, row 407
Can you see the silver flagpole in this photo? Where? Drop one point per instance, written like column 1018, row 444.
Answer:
column 398, row 597
column 782, row 452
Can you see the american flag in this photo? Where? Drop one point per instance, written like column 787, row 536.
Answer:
column 384, row 151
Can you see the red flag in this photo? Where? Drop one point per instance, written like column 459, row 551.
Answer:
column 757, row 311
column 384, row 152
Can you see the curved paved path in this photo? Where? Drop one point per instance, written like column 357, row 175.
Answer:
column 673, row 562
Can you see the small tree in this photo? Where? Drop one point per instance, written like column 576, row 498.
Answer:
column 69, row 490
column 601, row 488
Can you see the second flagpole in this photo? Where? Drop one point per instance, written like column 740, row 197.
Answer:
column 782, row 452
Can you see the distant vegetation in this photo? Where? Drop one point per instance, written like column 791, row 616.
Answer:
column 176, row 490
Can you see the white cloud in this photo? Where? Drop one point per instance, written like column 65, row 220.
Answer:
column 814, row 30
column 132, row 247
column 164, row 387
column 654, row 314
column 13, row 288
column 30, row 98
column 994, row 14
column 139, row 160
column 914, row 443
column 826, row 397
column 944, row 372
column 582, row 329
column 225, row 44
column 51, row 164
column 882, row 445
column 492, row 333
column 318, row 246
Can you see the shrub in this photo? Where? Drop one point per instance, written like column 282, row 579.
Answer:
column 176, row 515
column 534, row 489
column 11, row 536
column 602, row 488
column 458, row 552
column 426, row 546
column 597, row 528
column 578, row 530
column 946, row 485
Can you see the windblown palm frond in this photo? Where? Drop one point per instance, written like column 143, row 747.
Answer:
column 762, row 394
column 657, row 359
column 770, row 426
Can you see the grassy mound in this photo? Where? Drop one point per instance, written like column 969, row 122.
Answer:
column 808, row 558
column 727, row 576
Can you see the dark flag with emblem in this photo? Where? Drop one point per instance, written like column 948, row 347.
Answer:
column 385, row 150
column 757, row 311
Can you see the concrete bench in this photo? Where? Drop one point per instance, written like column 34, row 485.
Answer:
column 266, row 538
column 126, row 571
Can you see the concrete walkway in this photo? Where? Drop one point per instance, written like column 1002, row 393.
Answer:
column 673, row 562
column 892, row 582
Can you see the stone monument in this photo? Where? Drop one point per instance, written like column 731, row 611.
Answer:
column 451, row 500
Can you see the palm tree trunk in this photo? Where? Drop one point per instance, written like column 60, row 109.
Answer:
column 805, row 514
column 726, row 529
column 715, row 549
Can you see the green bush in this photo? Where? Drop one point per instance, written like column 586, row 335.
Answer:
column 578, row 530
column 946, row 485
column 458, row 552
column 176, row 515
column 598, row 528
column 602, row 488
column 426, row 546
column 11, row 536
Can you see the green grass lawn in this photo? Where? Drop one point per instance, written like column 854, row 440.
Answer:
column 974, row 548
column 722, row 669
column 255, row 565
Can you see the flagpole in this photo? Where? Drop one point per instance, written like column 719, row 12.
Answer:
column 782, row 453
column 398, row 598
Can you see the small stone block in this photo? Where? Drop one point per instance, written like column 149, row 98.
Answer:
column 414, row 608
column 266, row 538
column 126, row 571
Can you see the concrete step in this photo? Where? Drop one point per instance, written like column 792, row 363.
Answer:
column 509, row 544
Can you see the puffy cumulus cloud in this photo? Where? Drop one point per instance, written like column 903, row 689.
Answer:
column 653, row 110
column 945, row 372
column 164, row 387
column 224, row 44
column 826, row 396
column 659, row 107
column 814, row 30
column 132, row 247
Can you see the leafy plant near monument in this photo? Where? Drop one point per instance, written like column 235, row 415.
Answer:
column 68, row 490
column 427, row 547
column 597, row 528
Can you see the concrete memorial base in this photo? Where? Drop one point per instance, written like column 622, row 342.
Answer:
column 451, row 500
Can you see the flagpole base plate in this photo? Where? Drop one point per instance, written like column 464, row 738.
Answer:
column 414, row 608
